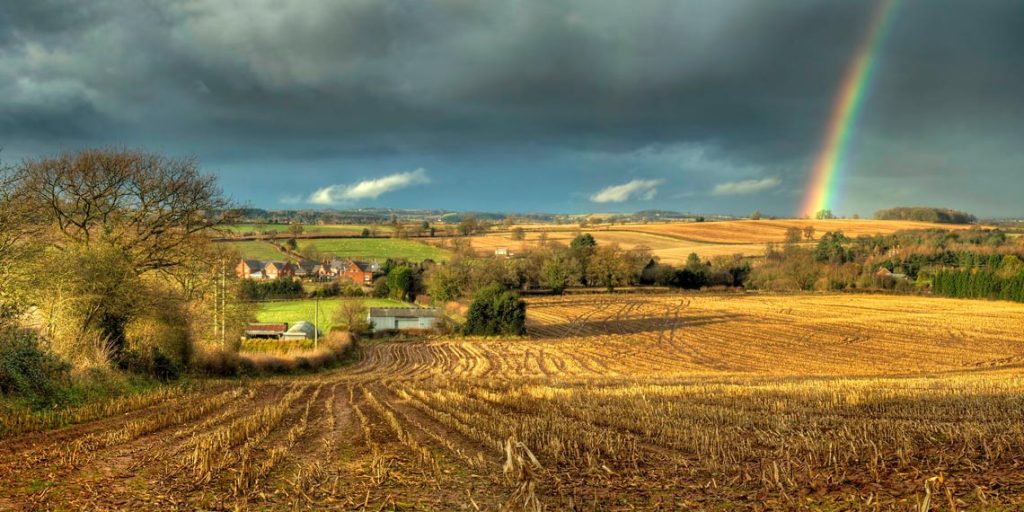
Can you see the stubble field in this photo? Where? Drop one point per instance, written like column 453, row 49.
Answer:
column 672, row 242
column 611, row 403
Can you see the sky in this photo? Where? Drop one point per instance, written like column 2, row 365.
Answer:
column 571, row 106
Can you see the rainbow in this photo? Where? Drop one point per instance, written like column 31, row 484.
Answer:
column 828, row 164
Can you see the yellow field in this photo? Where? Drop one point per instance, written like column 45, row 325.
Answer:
column 673, row 242
column 621, row 402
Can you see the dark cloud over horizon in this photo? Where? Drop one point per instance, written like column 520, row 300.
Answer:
column 529, row 105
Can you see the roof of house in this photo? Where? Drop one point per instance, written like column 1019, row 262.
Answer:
column 405, row 312
column 278, row 264
column 365, row 266
column 254, row 264
column 305, row 266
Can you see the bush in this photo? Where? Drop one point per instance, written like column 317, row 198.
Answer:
column 332, row 289
column 496, row 311
column 275, row 289
column 154, row 363
column 380, row 288
column 27, row 370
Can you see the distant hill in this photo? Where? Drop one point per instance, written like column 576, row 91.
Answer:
column 385, row 215
column 926, row 214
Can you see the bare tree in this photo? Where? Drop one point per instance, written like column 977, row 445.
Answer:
column 352, row 314
column 15, row 236
column 149, row 206
column 110, row 219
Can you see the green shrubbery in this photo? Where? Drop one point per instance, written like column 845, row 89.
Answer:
column 30, row 371
column 275, row 289
column 979, row 284
column 926, row 214
column 496, row 311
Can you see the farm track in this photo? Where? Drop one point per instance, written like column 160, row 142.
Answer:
column 633, row 402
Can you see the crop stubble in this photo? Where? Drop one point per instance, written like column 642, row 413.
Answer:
column 612, row 402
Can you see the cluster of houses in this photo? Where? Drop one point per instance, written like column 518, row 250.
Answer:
column 360, row 272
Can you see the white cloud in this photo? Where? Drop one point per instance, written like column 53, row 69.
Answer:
column 636, row 189
column 368, row 189
column 736, row 188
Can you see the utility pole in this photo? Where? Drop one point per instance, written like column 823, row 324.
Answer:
column 223, row 299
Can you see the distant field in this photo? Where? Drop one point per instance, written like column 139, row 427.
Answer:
column 673, row 242
column 257, row 250
column 292, row 311
column 306, row 228
column 376, row 248
column 669, row 250
column 763, row 231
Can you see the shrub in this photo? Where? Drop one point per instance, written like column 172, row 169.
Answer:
column 275, row 289
column 155, row 363
column 380, row 288
column 332, row 289
column 496, row 311
column 28, row 370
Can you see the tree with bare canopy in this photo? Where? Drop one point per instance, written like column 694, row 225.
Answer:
column 149, row 206
column 115, row 227
column 14, row 231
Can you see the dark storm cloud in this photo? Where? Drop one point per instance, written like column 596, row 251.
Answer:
column 748, row 82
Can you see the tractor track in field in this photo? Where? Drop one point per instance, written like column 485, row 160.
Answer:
column 626, row 402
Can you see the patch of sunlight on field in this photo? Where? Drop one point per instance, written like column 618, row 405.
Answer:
column 292, row 311
column 257, row 250
column 376, row 248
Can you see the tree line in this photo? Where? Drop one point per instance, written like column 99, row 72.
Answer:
column 926, row 214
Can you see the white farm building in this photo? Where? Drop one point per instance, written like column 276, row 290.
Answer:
column 300, row 331
column 402, row 319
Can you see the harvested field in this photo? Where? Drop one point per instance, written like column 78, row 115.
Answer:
column 763, row 231
column 651, row 402
column 674, row 241
column 668, row 249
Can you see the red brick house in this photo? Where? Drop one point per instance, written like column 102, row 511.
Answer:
column 359, row 272
column 278, row 270
column 250, row 269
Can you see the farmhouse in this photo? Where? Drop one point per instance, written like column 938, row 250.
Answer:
column 306, row 268
column 503, row 251
column 278, row 269
column 250, row 269
column 360, row 272
column 403, row 319
column 257, row 269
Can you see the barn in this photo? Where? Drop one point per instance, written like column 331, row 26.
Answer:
column 300, row 331
column 266, row 330
column 403, row 319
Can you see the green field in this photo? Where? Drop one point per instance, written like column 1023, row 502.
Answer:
column 258, row 250
column 376, row 248
column 292, row 311
column 353, row 229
